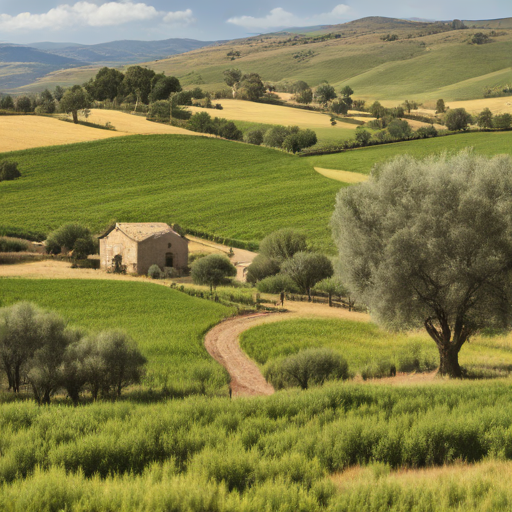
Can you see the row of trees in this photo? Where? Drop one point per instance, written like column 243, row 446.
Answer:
column 37, row 347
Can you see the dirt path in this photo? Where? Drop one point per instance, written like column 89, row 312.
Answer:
column 222, row 343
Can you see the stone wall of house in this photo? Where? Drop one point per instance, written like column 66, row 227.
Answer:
column 116, row 242
column 154, row 250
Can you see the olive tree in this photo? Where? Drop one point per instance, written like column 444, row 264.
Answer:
column 212, row 270
column 429, row 243
column 75, row 99
column 306, row 269
column 283, row 244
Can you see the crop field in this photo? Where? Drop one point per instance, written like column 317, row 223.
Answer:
column 362, row 160
column 299, row 451
column 236, row 110
column 364, row 344
column 216, row 186
column 40, row 131
column 167, row 325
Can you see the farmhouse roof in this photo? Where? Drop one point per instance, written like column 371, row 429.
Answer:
column 140, row 231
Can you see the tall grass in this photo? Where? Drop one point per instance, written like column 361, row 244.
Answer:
column 270, row 453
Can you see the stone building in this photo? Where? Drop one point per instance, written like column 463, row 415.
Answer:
column 142, row 245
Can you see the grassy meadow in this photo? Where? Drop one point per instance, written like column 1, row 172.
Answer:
column 365, row 346
column 167, row 325
column 289, row 452
column 362, row 160
column 216, row 186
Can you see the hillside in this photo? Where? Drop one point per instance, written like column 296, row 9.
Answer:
column 21, row 64
column 25, row 65
column 128, row 52
column 215, row 186
column 427, row 61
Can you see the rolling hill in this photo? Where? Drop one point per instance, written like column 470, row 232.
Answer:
column 21, row 64
column 425, row 62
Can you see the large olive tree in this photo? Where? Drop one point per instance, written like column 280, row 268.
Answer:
column 429, row 243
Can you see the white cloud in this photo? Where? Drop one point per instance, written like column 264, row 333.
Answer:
column 92, row 15
column 179, row 17
column 278, row 18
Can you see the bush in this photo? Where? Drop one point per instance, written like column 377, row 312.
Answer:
column 277, row 284
column 274, row 137
column 399, row 129
column 254, row 137
column 378, row 370
column 295, row 142
column 9, row 170
column 66, row 237
column 363, row 137
column 310, row 366
column 262, row 267
column 415, row 360
column 154, row 272
column 9, row 245
column 228, row 130
column 283, row 244
column 426, row 131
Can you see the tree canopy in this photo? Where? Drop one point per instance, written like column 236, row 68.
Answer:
column 212, row 270
column 75, row 99
column 429, row 243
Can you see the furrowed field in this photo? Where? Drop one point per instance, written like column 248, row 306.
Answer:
column 220, row 187
column 281, row 453
column 367, row 347
column 167, row 325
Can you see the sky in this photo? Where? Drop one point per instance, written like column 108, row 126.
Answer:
column 98, row 21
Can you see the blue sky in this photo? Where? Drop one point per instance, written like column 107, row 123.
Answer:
column 96, row 21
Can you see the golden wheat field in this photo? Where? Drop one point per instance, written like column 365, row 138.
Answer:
column 25, row 132
column 237, row 110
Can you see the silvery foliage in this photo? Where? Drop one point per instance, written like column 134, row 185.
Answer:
column 430, row 241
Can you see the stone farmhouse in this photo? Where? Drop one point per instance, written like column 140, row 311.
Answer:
column 143, row 244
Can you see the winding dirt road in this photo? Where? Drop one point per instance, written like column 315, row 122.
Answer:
column 222, row 343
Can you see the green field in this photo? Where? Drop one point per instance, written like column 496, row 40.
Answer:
column 266, row 454
column 365, row 345
column 167, row 325
column 216, row 186
column 362, row 160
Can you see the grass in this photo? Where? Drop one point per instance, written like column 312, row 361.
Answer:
column 226, row 188
column 365, row 346
column 281, row 453
column 167, row 325
column 362, row 160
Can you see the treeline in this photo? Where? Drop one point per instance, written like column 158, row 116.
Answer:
column 38, row 348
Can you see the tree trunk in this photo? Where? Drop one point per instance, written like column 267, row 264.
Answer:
column 330, row 299
column 75, row 116
column 309, row 294
column 449, row 361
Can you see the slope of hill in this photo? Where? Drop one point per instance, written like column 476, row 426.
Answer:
column 215, row 186
column 425, row 62
column 21, row 64
column 129, row 52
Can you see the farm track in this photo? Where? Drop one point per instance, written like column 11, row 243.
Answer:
column 222, row 343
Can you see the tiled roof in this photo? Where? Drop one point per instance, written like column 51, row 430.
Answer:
column 140, row 231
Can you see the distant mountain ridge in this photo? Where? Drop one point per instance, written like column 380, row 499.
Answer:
column 19, row 53
column 124, row 52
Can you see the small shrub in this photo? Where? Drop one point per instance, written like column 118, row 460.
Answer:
column 9, row 170
column 154, row 272
column 378, row 370
column 262, row 267
column 196, row 256
column 310, row 366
